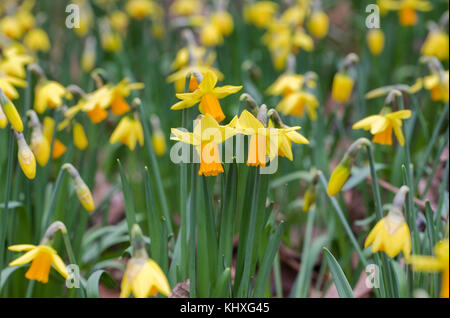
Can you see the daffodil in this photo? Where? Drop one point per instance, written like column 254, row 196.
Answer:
column 185, row 7
column 39, row 143
column 210, row 35
column 208, row 96
column 49, row 94
column 260, row 13
column 295, row 103
column 142, row 277
column 342, row 87
column 406, row 9
column 436, row 44
column 119, row 21
column 9, row 83
column 223, row 21
column 285, row 137
column 11, row 113
column 391, row 234
column 438, row 85
column 14, row 62
column 318, row 24
column 42, row 257
column 122, row 90
column 10, row 27
column 381, row 126
column 285, row 84
column 79, row 136
column 89, row 55
column 158, row 138
column 437, row 263
column 140, row 9
column 25, row 156
column 86, row 17
column 37, row 40
column 129, row 131
column 179, row 77
column 48, row 130
column 375, row 41
column 206, row 137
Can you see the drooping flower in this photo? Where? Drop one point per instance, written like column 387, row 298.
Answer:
column 391, row 234
column 208, row 96
column 437, row 263
column 438, row 85
column 15, row 60
column 260, row 13
column 48, row 130
column 25, row 156
column 81, row 189
column 375, row 41
column 223, row 21
column 342, row 87
column 436, row 44
column 381, row 126
column 37, row 40
column 49, row 94
column 318, row 24
column 42, row 257
column 406, row 9
column 79, row 136
column 295, row 104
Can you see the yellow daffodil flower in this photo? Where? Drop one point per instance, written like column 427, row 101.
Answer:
column 185, row 8
column 285, row 84
column 260, row 13
column 223, row 21
column 438, row 85
column 182, row 57
column 342, row 87
column 89, row 56
column 37, row 40
column 294, row 15
column 9, row 83
column 119, row 21
column 406, row 9
column 285, row 135
column 49, row 94
column 206, row 137
column 10, row 27
column 79, row 136
column 208, row 96
column 210, row 35
column 179, row 77
column 158, row 138
column 42, row 257
column 48, row 130
column 11, row 113
column 39, row 143
column 140, row 9
column 391, row 233
column 14, row 62
column 437, row 263
column 122, row 90
column 143, row 277
column 381, row 126
column 295, row 103
column 436, row 44
column 128, row 131
column 86, row 18
column 318, row 24
column 375, row 41
column 111, row 41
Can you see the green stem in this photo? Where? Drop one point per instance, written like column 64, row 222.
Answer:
column 49, row 212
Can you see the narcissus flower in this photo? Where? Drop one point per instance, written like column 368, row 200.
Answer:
column 10, row 27
column 122, row 90
column 391, row 234
column 42, row 257
column 207, row 135
column 143, row 277
column 79, row 136
column 185, row 7
column 223, row 21
column 436, row 44
column 342, row 87
column 438, row 85
column 210, row 35
column 128, row 131
column 285, row 136
column 437, row 263
column 9, row 83
column 48, row 130
column 140, row 9
column 49, row 94
column 82, row 190
column 37, row 40
column 208, row 96
column 14, row 61
column 25, row 156
column 318, row 24
column 295, row 103
column 179, row 77
column 375, row 41
column 381, row 126
column 285, row 84
column 406, row 9
column 11, row 113
column 260, row 13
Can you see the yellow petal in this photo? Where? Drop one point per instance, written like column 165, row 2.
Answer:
column 366, row 123
column 21, row 247
column 26, row 258
column 226, row 90
column 59, row 265
column 399, row 133
column 208, row 82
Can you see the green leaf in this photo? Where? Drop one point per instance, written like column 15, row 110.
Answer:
column 129, row 202
column 6, row 273
column 343, row 287
column 304, row 175
column 94, row 280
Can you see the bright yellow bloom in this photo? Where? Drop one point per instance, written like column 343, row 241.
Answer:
column 260, row 13
column 295, row 103
column 79, row 136
column 375, row 41
column 25, row 16
column 339, row 177
column 119, row 21
column 10, row 27
column 436, row 44
column 318, row 24
column 140, row 9
column 437, row 263
column 111, row 41
column 9, row 83
column 208, row 96
column 284, row 137
column 128, row 131
column 48, row 130
column 406, row 9
column 37, row 40
column 14, row 62
column 206, row 137
column 13, row 116
column 285, row 84
column 438, row 85
column 49, row 94
column 185, row 7
column 294, row 15
column 159, row 143
column 342, row 87
column 381, row 126
column 182, row 57
column 210, row 35
column 144, row 278
column 26, row 158
column 122, row 90
column 42, row 257
column 223, row 21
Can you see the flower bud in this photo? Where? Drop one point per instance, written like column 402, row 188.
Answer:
column 39, row 144
column 25, row 155
column 3, row 119
column 82, row 190
column 375, row 41
column 318, row 24
column 342, row 87
column 311, row 192
column 79, row 136
column 13, row 116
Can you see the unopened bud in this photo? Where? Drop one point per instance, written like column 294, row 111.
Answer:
column 79, row 136
column 82, row 190
column 25, row 155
